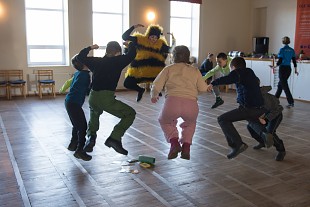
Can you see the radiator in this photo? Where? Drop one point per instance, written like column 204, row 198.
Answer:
column 60, row 79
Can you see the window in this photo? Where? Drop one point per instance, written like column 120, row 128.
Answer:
column 184, row 23
column 46, row 30
column 110, row 21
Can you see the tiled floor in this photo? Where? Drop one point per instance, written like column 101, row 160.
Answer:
column 36, row 169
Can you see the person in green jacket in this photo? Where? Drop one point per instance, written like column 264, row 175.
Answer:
column 221, row 69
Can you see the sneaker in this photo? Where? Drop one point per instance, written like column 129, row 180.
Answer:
column 217, row 103
column 80, row 154
column 140, row 94
column 268, row 139
column 90, row 143
column 116, row 145
column 280, row 156
column 290, row 106
column 72, row 146
column 236, row 151
column 259, row 146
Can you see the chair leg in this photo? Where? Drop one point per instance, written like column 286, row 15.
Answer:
column 7, row 93
column 40, row 92
column 24, row 91
column 54, row 91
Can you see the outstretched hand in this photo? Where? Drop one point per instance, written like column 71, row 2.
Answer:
column 209, row 87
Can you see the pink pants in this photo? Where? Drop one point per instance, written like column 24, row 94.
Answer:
column 174, row 108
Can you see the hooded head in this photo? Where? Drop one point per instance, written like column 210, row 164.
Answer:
column 155, row 30
column 76, row 63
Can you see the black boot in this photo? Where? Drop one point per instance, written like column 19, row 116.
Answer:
column 217, row 103
column 116, row 145
column 259, row 146
column 90, row 143
column 81, row 154
column 236, row 151
column 140, row 94
column 73, row 145
column 280, row 156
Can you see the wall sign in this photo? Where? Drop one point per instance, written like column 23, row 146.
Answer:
column 302, row 33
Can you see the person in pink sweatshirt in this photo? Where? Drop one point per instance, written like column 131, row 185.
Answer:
column 182, row 83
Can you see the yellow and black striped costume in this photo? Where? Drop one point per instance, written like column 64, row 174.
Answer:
column 150, row 58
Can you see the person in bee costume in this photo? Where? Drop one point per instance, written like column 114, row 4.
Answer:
column 152, row 51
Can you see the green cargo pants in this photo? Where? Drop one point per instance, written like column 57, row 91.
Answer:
column 104, row 100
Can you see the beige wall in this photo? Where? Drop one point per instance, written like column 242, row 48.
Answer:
column 225, row 25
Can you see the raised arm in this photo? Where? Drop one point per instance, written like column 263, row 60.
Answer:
column 127, row 37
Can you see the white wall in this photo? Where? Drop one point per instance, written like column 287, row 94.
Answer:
column 225, row 25
column 280, row 21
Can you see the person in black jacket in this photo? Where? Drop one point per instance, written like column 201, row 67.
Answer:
column 269, row 122
column 106, row 73
column 207, row 65
column 250, row 102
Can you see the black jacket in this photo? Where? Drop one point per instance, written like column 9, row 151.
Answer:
column 248, row 90
column 106, row 70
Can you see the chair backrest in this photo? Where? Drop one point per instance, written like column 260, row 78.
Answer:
column 45, row 75
column 3, row 76
column 15, row 75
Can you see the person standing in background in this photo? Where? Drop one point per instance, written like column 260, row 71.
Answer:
column 286, row 55
column 207, row 65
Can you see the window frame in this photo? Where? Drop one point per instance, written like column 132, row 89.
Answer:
column 194, row 27
column 125, row 25
column 65, row 40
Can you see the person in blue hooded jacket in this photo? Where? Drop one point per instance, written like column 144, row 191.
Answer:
column 250, row 101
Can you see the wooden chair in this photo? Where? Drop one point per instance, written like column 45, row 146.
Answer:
column 4, row 83
column 46, row 80
column 16, row 81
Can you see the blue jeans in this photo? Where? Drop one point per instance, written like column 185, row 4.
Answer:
column 241, row 113
column 256, row 129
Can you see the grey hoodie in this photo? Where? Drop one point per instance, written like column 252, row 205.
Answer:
column 271, row 103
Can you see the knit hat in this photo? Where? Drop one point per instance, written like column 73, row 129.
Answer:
column 154, row 30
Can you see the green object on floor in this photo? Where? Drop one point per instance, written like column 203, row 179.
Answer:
column 147, row 159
